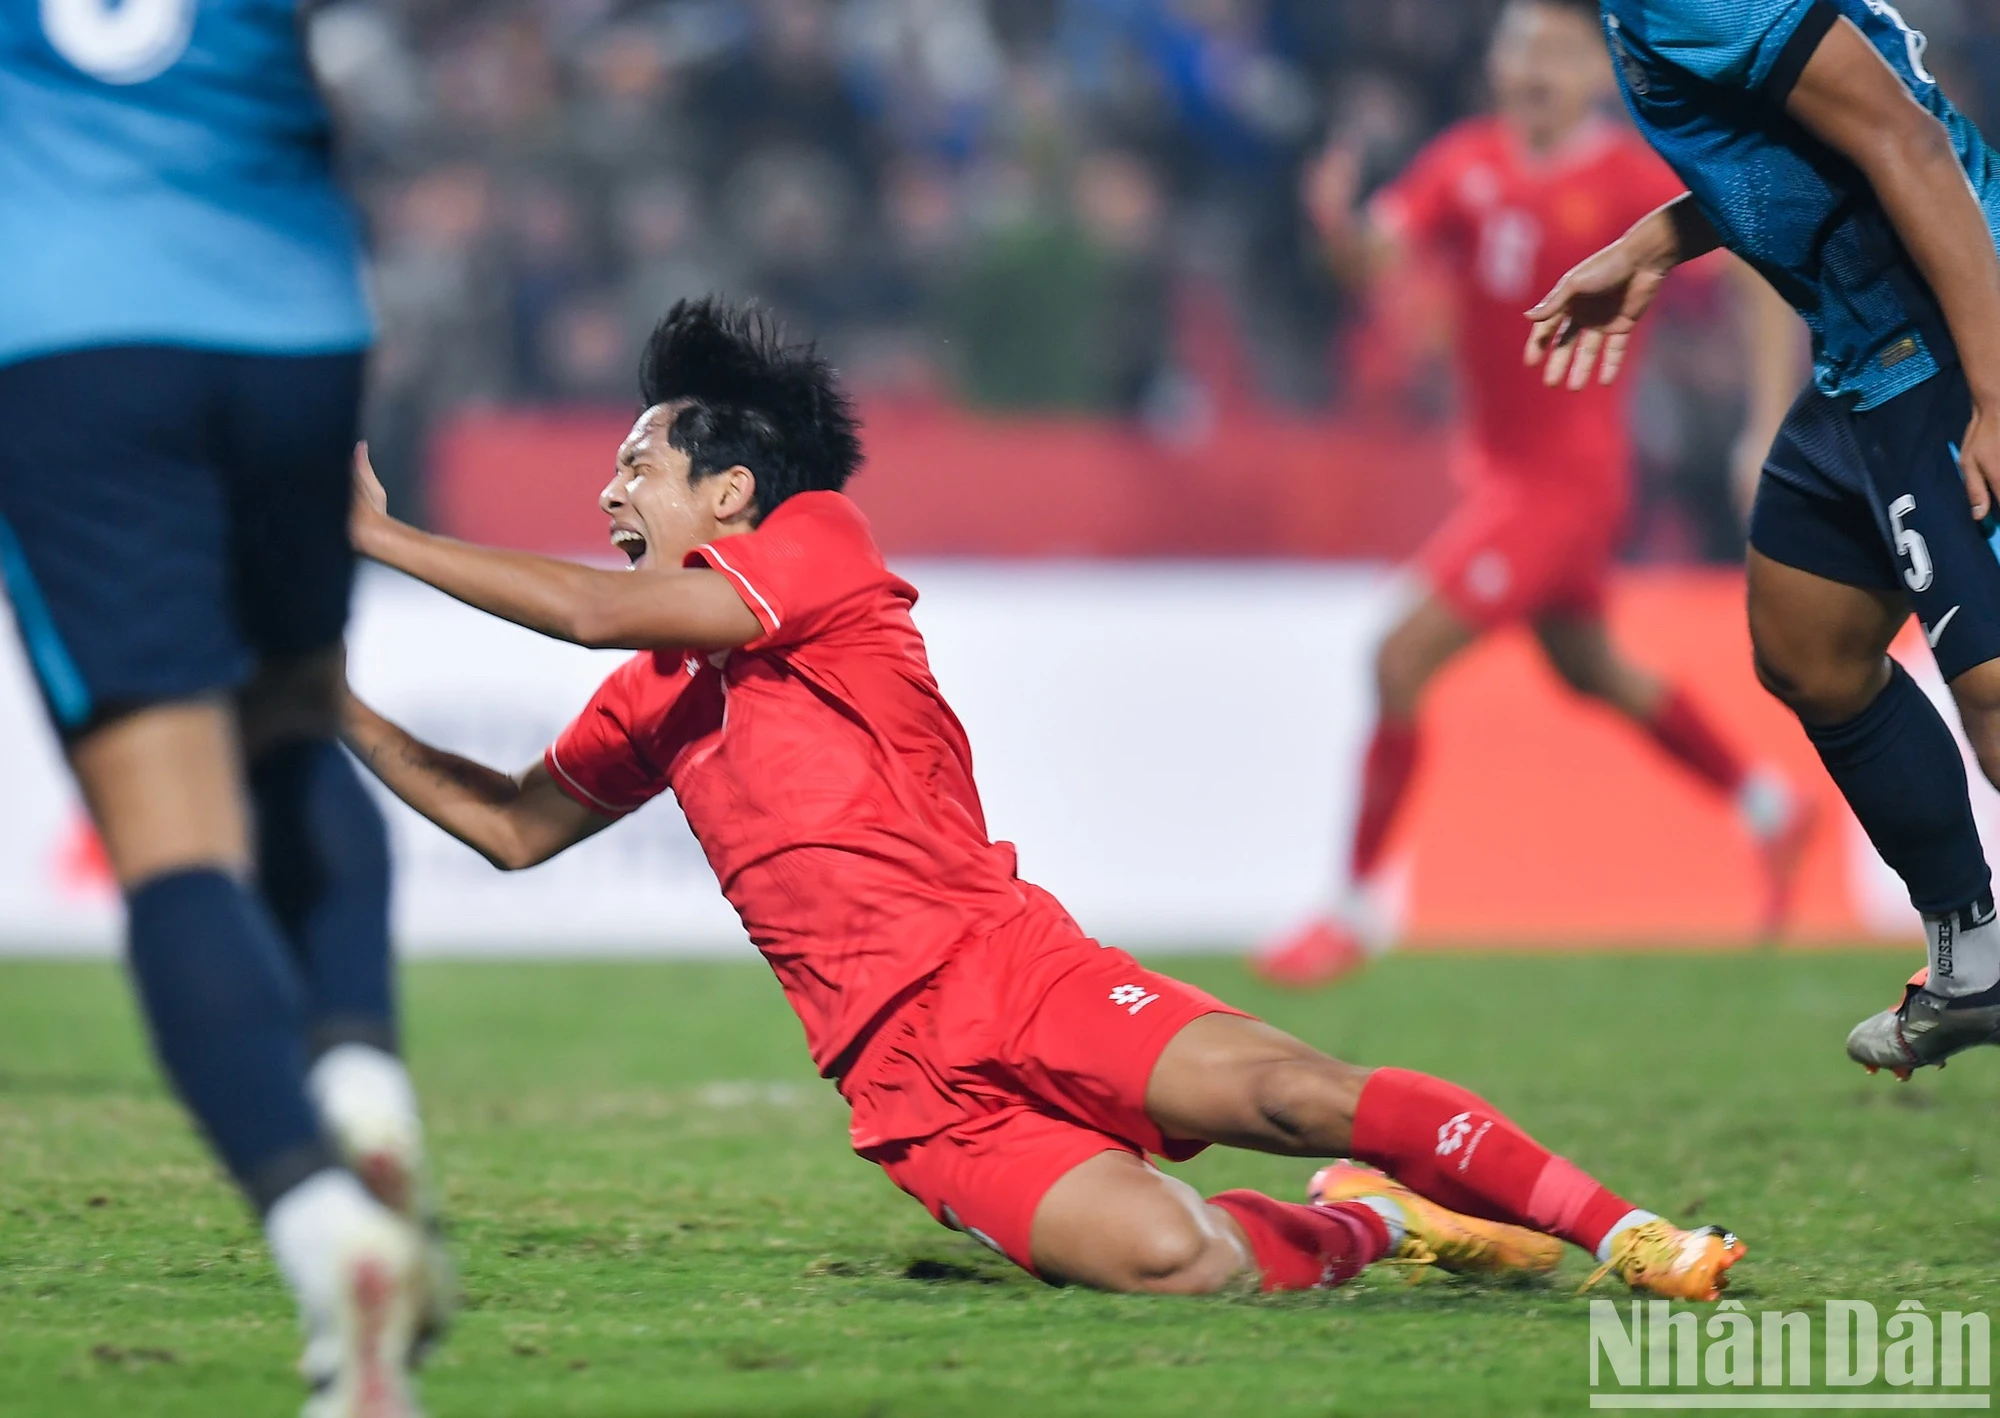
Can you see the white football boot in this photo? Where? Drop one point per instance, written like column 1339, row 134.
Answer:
column 357, row 1271
column 369, row 1110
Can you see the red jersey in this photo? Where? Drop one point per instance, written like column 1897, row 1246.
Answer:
column 1508, row 225
column 827, row 781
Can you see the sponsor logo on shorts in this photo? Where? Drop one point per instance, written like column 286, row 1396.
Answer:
column 1134, row 997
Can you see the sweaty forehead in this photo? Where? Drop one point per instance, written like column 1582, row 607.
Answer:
column 649, row 434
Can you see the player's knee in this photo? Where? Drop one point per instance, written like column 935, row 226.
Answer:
column 1979, row 713
column 1827, row 689
column 1176, row 1255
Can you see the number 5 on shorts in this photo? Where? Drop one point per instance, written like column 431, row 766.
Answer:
column 1910, row 544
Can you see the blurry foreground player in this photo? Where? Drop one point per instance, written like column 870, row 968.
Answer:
column 1002, row 1067
column 1816, row 145
column 181, row 339
column 1508, row 203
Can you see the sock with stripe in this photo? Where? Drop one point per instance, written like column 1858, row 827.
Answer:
column 1460, row 1151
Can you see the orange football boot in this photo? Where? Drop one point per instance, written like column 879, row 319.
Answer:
column 1661, row 1259
column 1435, row 1235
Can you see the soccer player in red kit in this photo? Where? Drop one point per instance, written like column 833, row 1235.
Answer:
column 1003, row 1068
column 1507, row 203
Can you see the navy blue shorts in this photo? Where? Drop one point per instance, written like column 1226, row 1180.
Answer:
column 171, row 518
column 1875, row 500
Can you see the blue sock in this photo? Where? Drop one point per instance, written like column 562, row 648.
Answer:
column 323, row 862
column 219, row 994
column 1898, row 766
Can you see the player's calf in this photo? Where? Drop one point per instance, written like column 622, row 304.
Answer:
column 1977, row 694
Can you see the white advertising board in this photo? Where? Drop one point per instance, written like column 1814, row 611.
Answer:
column 1168, row 745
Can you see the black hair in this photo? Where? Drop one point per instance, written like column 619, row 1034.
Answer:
column 748, row 398
column 1586, row 8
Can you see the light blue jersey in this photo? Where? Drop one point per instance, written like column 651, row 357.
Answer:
column 164, row 179
column 1706, row 81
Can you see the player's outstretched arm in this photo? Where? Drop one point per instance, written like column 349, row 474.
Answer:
column 1598, row 303
column 1851, row 99
column 513, row 820
column 1358, row 248
column 648, row 609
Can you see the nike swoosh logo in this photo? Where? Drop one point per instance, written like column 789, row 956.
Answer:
column 1936, row 632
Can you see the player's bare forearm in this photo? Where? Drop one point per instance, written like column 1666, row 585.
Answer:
column 1851, row 99
column 512, row 820
column 1672, row 234
column 1600, row 301
column 606, row 610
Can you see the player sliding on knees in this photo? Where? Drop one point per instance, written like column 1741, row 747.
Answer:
column 1510, row 201
column 1002, row 1067
column 1817, row 146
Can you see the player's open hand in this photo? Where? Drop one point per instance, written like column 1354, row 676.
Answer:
column 1585, row 323
column 370, row 508
column 1979, row 462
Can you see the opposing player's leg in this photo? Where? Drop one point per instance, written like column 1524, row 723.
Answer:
column 224, row 1009
column 1859, row 520
column 124, row 602
column 1237, row 1081
column 1780, row 822
column 322, row 857
column 1422, row 642
column 322, row 848
column 1821, row 648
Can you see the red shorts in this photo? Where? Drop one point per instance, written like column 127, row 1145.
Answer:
column 1026, row 1054
column 1519, row 546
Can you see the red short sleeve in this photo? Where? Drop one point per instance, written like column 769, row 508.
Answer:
column 807, row 559
column 602, row 759
column 1421, row 206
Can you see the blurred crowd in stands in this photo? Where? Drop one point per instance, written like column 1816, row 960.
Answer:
column 1070, row 205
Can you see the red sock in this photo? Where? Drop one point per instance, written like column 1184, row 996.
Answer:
column 1306, row 1247
column 1457, row 1149
column 1686, row 735
column 1386, row 771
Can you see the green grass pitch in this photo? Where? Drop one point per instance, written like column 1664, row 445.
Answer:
column 656, row 1213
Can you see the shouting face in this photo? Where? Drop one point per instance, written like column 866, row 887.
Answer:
column 658, row 512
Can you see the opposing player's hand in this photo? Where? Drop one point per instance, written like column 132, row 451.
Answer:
column 1979, row 461
column 1585, row 323
column 370, row 508
column 1329, row 186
